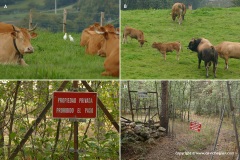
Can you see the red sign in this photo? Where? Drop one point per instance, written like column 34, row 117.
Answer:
column 74, row 104
column 196, row 126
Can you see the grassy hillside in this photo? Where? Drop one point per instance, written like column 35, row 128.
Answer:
column 214, row 24
column 55, row 58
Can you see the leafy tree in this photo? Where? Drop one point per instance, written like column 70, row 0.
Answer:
column 26, row 99
column 236, row 2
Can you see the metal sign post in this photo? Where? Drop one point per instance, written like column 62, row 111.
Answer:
column 75, row 105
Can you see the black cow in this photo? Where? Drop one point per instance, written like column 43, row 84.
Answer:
column 206, row 52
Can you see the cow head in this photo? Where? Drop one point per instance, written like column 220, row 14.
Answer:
column 22, row 39
column 109, row 28
column 111, row 41
column 141, row 41
column 94, row 26
column 193, row 44
column 154, row 45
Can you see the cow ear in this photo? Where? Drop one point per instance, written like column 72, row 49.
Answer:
column 33, row 35
column 102, row 29
column 14, row 34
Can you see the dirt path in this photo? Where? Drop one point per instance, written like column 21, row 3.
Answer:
column 164, row 149
column 188, row 144
column 168, row 148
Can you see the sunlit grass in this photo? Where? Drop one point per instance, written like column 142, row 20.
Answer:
column 54, row 58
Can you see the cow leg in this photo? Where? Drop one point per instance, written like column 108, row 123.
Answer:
column 207, row 66
column 22, row 62
column 164, row 54
column 124, row 39
column 199, row 62
column 214, row 69
column 226, row 63
column 178, row 55
column 180, row 20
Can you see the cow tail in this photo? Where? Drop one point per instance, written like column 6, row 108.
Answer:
column 213, row 51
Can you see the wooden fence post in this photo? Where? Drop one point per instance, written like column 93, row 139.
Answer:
column 102, row 19
column 30, row 19
column 64, row 20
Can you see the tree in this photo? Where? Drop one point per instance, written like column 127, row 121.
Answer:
column 236, row 2
column 164, row 118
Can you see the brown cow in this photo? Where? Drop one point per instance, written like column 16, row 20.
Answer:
column 133, row 33
column 14, row 45
column 111, row 48
column 167, row 47
column 92, row 40
column 87, row 32
column 178, row 10
column 228, row 50
column 113, row 38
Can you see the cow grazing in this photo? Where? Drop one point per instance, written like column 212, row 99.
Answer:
column 206, row 52
column 110, row 47
column 14, row 45
column 178, row 10
column 167, row 47
column 228, row 50
column 133, row 33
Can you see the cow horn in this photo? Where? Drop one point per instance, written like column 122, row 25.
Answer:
column 29, row 30
column 98, row 32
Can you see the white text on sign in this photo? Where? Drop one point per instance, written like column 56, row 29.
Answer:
column 74, row 100
column 71, row 110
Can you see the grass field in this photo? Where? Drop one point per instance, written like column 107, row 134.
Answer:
column 54, row 58
column 214, row 24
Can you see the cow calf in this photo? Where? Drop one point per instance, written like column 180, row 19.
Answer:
column 133, row 33
column 167, row 47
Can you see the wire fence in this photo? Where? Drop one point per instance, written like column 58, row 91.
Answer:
column 201, row 121
column 76, row 21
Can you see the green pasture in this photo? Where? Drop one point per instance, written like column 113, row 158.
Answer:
column 55, row 58
column 214, row 24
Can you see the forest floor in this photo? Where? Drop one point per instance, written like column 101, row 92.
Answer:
column 187, row 144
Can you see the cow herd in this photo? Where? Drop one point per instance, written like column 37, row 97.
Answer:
column 205, row 50
column 104, row 41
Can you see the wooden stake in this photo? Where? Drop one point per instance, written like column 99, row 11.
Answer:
column 64, row 20
column 102, row 18
column 30, row 19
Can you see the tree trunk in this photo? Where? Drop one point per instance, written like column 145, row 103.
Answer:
column 190, row 100
column 164, row 119
column 12, row 117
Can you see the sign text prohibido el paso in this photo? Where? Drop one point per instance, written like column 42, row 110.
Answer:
column 74, row 105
